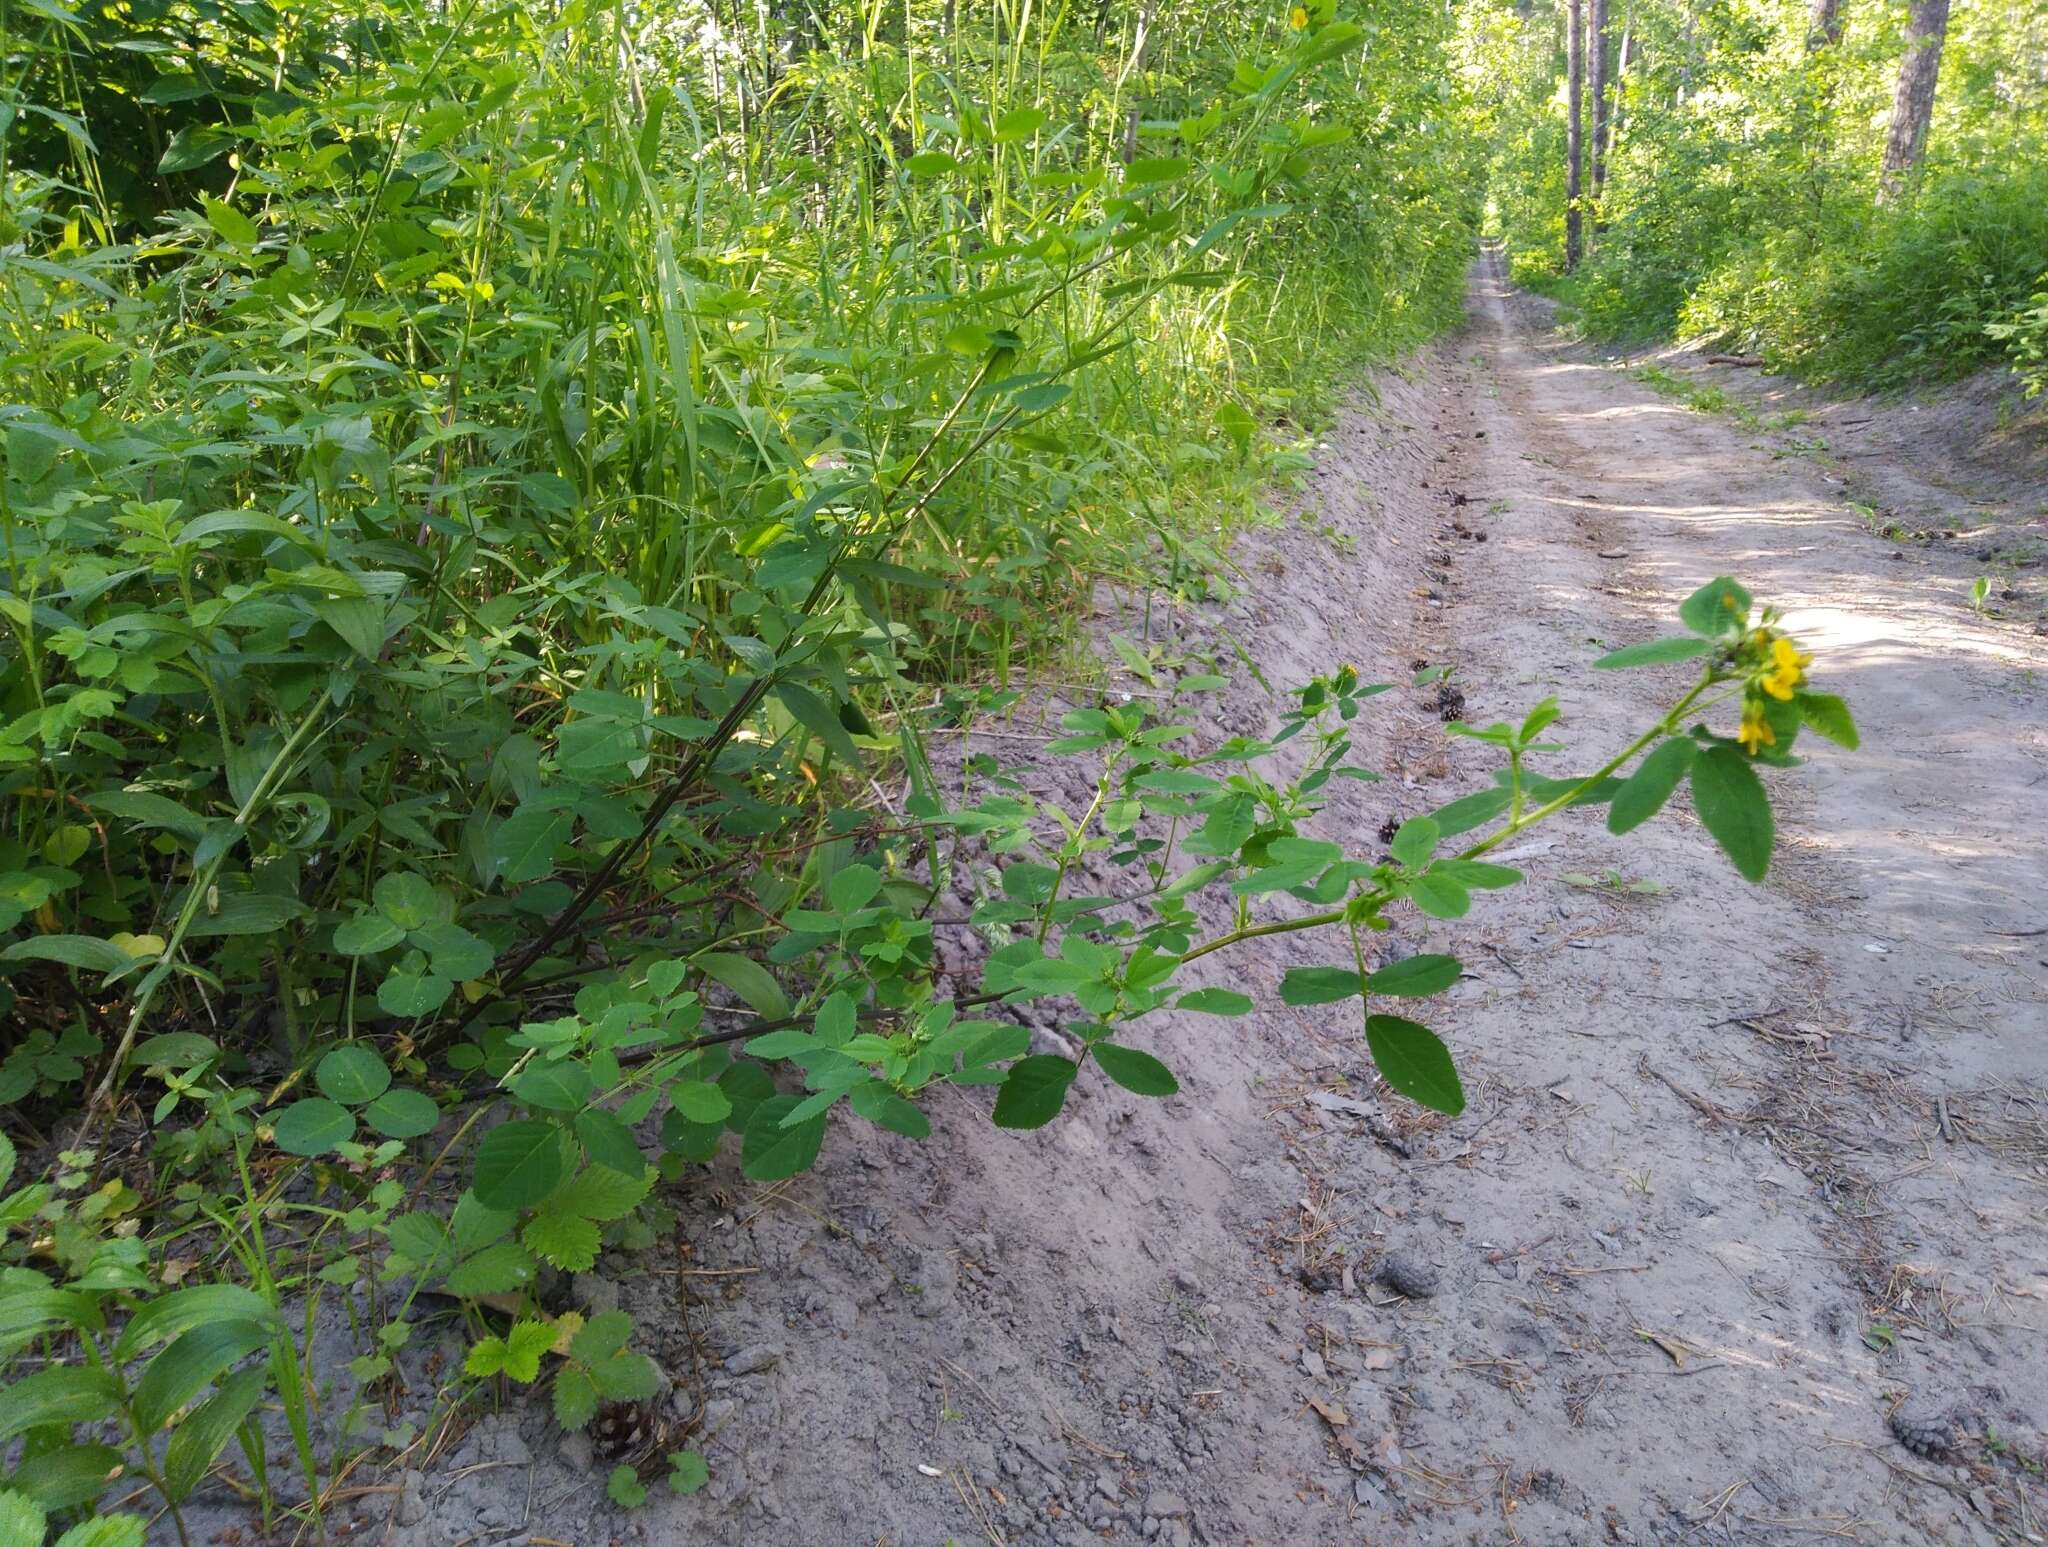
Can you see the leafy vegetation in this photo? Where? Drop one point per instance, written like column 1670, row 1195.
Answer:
column 1746, row 195
column 488, row 494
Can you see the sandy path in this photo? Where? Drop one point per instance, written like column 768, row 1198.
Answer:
column 1700, row 1229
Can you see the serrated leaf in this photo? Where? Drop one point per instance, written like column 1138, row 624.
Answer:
column 498, row 1269
column 575, row 1398
column 1415, row 1062
column 101, row 1530
column 563, row 1240
column 601, row 1193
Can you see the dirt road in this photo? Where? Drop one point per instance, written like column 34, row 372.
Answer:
column 1744, row 1169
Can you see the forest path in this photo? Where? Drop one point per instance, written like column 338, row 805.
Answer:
column 1742, row 1169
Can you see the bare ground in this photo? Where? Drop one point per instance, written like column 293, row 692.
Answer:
column 1744, row 1170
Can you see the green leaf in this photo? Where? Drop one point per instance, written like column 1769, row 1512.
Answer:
column 747, row 978
column 885, row 1109
column 768, row 1151
column 624, row 1488
column 410, row 995
column 191, row 1364
column 313, row 1126
column 409, row 900
column 1414, row 1062
column 610, row 1143
column 193, row 146
column 601, row 1337
column 575, row 1398
column 563, row 1086
column 1215, row 1001
column 85, row 952
column 518, row 1164
column 62, row 1395
column 170, row 1316
column 853, row 888
column 352, row 1074
column 204, row 1432
column 815, row 716
column 403, row 1114
column 245, row 913
column 454, row 951
column 1415, row 842
column 366, row 934
column 1137, row 1072
column 1716, row 608
column 1439, row 896
column 1320, row 985
column 688, row 1471
column 1470, row 811
column 1155, row 169
column 523, row 848
column 23, row 1520
column 1414, row 976
column 930, row 163
column 563, row 1240
column 1829, row 716
column 102, row 1530
column 1034, row 1091
column 1655, row 652
column 601, row 1193
column 1732, row 806
column 497, row 1269
column 75, row 1475
column 1643, row 793
column 359, row 620
column 700, row 1101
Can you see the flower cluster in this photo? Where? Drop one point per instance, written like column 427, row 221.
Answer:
column 1773, row 668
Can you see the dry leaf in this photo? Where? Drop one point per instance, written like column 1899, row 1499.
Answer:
column 1335, row 1417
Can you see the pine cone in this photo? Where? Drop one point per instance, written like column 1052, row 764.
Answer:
column 622, row 1429
column 1388, row 828
column 1924, row 1430
column 1407, row 1275
column 1450, row 703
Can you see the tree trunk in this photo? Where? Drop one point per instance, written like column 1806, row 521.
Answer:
column 1621, row 62
column 1913, row 102
column 1823, row 25
column 1596, row 82
column 1574, row 73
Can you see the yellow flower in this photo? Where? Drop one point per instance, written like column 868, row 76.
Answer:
column 1298, row 17
column 1788, row 669
column 1755, row 733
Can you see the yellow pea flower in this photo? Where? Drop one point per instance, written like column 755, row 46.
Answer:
column 1755, row 733
column 1788, row 669
column 1298, row 18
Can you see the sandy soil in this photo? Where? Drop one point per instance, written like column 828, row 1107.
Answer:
column 1745, row 1171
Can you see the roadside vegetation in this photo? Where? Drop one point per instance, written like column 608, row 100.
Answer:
column 496, row 505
